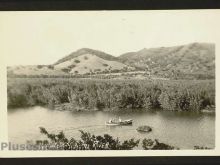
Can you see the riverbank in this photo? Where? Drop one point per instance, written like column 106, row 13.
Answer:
column 94, row 94
column 74, row 108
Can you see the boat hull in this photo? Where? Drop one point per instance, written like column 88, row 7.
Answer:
column 125, row 122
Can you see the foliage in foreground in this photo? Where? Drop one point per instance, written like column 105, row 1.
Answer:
column 87, row 142
column 92, row 142
column 107, row 94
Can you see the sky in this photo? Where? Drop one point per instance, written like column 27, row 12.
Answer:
column 31, row 38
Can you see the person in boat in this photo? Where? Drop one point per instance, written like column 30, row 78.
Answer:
column 110, row 121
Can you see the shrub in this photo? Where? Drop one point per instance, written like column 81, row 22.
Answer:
column 71, row 66
column 76, row 61
column 105, row 65
column 40, row 66
column 50, row 67
column 66, row 70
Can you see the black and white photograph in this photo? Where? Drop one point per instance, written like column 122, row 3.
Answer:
column 110, row 80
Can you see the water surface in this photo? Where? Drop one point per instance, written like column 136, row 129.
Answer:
column 180, row 129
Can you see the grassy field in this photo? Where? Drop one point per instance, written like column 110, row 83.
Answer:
column 184, row 95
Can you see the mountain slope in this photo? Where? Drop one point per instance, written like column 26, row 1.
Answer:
column 87, row 51
column 87, row 61
column 195, row 58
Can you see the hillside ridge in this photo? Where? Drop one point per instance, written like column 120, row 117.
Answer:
column 83, row 51
column 176, row 61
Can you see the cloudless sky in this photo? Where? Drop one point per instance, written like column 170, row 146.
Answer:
column 28, row 38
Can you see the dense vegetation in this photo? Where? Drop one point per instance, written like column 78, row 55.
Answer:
column 93, row 94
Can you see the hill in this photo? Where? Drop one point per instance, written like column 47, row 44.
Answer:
column 195, row 59
column 191, row 61
column 83, row 51
column 88, row 61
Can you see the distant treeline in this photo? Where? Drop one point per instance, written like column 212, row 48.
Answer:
column 107, row 94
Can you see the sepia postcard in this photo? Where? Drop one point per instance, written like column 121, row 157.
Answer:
column 109, row 83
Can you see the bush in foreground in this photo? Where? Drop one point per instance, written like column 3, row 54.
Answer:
column 87, row 142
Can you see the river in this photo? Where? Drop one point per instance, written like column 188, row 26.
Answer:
column 180, row 129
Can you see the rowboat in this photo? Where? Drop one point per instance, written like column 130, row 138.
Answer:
column 115, row 123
